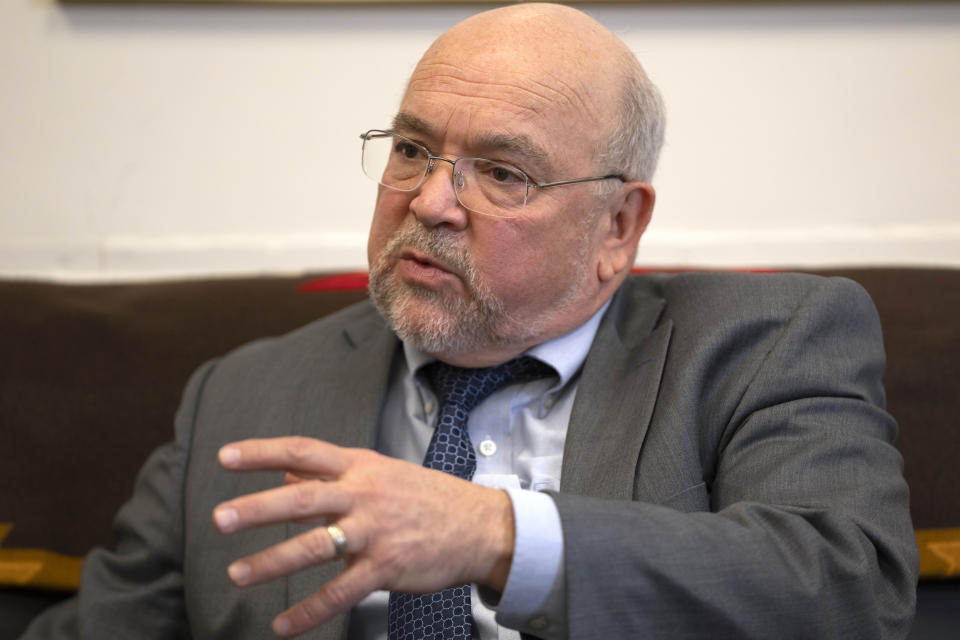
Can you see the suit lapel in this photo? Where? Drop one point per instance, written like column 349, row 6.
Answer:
column 342, row 405
column 616, row 395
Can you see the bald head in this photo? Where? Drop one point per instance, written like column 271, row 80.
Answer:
column 538, row 33
column 567, row 63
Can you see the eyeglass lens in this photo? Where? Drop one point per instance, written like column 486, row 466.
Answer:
column 482, row 186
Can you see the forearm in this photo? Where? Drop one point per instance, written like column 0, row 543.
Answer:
column 754, row 571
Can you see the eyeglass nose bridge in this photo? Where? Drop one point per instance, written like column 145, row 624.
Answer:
column 459, row 180
column 432, row 162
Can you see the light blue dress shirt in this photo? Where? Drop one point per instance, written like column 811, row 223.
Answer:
column 518, row 434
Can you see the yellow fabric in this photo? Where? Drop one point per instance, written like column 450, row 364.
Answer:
column 939, row 552
column 37, row 568
column 939, row 558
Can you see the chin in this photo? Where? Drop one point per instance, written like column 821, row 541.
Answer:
column 439, row 322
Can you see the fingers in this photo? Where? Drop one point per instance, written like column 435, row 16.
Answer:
column 402, row 523
column 292, row 478
column 315, row 489
column 303, row 501
column 304, row 457
column 301, row 552
column 333, row 598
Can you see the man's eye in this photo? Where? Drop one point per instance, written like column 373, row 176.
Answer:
column 505, row 175
column 407, row 149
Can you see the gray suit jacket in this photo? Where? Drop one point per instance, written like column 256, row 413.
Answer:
column 728, row 473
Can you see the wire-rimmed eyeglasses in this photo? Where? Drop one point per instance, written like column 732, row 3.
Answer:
column 482, row 186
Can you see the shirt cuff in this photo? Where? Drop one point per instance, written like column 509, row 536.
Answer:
column 535, row 594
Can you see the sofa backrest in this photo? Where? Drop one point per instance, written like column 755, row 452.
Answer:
column 90, row 377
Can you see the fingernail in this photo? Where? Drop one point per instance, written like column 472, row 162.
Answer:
column 238, row 572
column 282, row 626
column 226, row 518
column 229, row 456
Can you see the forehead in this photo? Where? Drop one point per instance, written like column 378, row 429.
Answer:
column 496, row 102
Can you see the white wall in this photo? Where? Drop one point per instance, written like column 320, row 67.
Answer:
column 168, row 140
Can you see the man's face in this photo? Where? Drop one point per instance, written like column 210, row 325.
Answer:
column 473, row 288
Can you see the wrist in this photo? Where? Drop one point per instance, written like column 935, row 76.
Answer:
column 498, row 537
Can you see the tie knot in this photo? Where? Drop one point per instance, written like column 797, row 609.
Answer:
column 466, row 387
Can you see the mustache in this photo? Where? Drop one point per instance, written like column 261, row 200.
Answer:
column 438, row 245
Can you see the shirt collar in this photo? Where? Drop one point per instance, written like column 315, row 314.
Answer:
column 565, row 353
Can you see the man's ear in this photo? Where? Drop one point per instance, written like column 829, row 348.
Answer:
column 629, row 214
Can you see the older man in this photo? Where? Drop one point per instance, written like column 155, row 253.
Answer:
column 695, row 456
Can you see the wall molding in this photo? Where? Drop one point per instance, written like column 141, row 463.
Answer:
column 126, row 257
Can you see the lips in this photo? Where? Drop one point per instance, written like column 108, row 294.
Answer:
column 424, row 260
column 420, row 268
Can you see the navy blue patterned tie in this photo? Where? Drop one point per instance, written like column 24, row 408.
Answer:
column 446, row 615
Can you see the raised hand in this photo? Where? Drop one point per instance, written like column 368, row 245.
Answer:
column 406, row 528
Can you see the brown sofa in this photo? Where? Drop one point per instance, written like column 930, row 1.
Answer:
column 90, row 376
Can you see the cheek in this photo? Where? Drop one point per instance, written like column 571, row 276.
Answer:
column 388, row 214
column 517, row 266
column 538, row 262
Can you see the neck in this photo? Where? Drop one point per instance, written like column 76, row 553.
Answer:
column 495, row 356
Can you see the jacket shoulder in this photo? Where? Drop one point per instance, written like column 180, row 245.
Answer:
column 714, row 299
column 345, row 326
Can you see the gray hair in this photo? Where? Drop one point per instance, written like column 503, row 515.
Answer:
column 634, row 145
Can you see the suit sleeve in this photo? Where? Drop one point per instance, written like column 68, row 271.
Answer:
column 135, row 588
column 808, row 532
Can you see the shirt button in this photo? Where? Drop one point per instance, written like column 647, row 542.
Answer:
column 488, row 447
column 549, row 401
column 428, row 406
column 539, row 623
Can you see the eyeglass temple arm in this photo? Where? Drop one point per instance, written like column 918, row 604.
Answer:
column 578, row 180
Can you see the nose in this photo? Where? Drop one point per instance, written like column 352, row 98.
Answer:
column 436, row 202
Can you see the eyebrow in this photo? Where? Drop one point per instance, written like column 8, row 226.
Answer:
column 516, row 145
column 405, row 122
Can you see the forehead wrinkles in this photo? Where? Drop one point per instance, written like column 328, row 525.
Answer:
column 524, row 93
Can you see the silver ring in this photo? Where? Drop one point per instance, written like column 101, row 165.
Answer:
column 339, row 540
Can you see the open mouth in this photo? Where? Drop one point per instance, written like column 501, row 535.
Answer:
column 418, row 268
column 421, row 259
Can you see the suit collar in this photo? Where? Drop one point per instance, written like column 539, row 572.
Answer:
column 616, row 394
column 362, row 360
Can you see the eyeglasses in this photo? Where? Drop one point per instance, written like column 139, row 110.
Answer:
column 483, row 186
